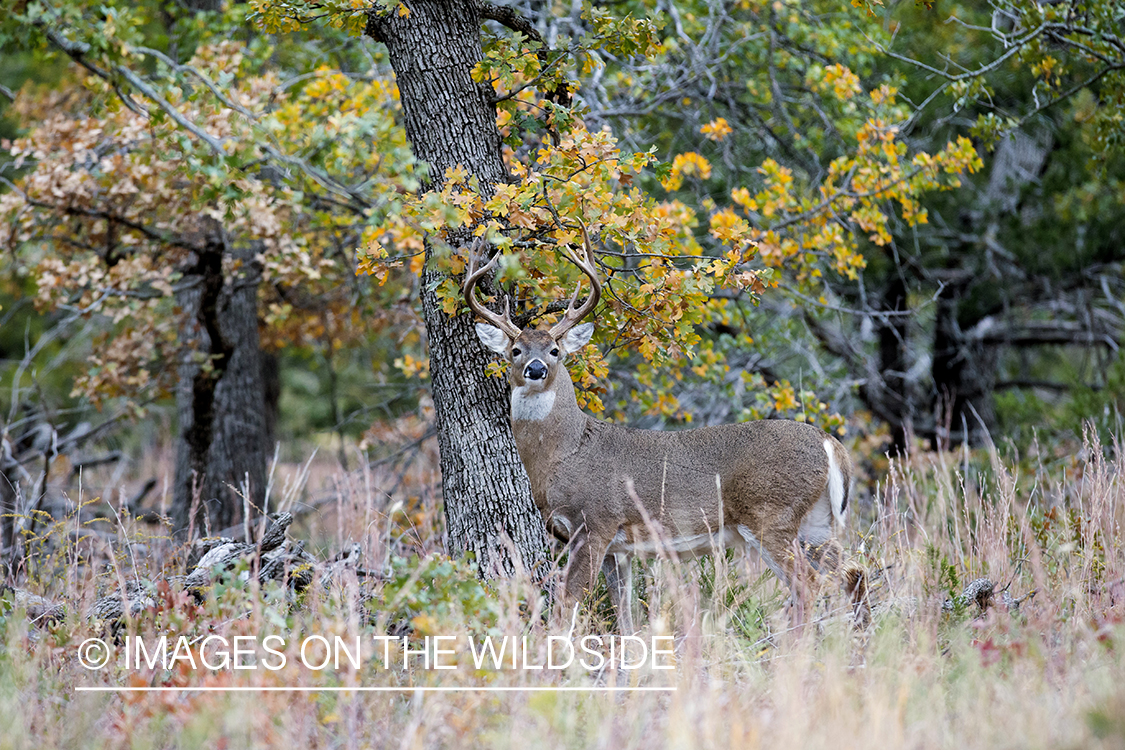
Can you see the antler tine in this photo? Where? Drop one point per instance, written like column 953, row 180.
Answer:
column 587, row 265
column 472, row 276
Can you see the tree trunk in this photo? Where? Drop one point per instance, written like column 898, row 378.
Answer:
column 892, row 362
column 271, row 393
column 9, row 508
column 451, row 121
column 964, row 374
column 223, row 441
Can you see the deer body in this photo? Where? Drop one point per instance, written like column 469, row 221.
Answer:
column 764, row 475
column 612, row 492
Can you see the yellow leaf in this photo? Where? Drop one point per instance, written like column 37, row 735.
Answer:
column 717, row 129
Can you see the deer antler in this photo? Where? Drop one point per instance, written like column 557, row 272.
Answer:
column 472, row 276
column 587, row 266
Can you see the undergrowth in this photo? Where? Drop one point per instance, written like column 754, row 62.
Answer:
column 1038, row 665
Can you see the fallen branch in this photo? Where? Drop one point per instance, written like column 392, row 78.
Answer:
column 982, row 592
column 212, row 560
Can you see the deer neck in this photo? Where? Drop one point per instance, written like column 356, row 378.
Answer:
column 547, row 427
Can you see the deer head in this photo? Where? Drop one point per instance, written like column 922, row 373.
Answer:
column 535, row 355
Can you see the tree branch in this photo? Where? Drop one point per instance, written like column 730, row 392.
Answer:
column 518, row 23
column 153, row 234
column 78, row 50
column 204, row 79
column 1058, row 333
column 510, row 18
column 1048, row 385
column 1016, row 48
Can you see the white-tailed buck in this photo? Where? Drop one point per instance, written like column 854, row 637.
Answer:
column 612, row 492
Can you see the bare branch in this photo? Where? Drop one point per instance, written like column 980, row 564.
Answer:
column 1042, row 333
column 510, row 18
column 1016, row 48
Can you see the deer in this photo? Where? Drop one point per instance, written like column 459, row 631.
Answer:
column 611, row 493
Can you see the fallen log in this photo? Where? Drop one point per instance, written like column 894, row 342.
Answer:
column 982, row 592
column 211, row 560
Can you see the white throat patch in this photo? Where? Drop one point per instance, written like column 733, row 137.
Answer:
column 531, row 407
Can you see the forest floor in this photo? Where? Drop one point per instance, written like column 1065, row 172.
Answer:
column 1037, row 660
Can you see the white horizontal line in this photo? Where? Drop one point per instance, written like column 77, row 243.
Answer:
column 372, row 689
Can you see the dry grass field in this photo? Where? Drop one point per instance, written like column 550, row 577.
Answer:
column 1039, row 663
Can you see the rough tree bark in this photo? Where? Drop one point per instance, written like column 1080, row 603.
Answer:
column 9, row 506
column 223, row 440
column 892, row 361
column 964, row 375
column 450, row 121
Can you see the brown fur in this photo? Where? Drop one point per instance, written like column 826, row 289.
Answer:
column 587, row 477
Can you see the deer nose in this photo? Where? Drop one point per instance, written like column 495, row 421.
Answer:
column 535, row 370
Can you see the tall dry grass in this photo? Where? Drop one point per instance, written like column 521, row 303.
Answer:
column 932, row 670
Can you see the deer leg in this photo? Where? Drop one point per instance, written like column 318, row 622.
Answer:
column 618, row 571
column 772, row 554
column 587, row 551
column 778, row 549
column 801, row 584
column 825, row 557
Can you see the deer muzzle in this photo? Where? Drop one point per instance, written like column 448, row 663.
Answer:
column 535, row 370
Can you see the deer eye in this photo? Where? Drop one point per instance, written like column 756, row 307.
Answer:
column 516, row 352
column 555, row 352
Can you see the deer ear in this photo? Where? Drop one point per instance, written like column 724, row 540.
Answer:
column 493, row 338
column 577, row 337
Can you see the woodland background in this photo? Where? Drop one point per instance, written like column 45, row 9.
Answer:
column 229, row 241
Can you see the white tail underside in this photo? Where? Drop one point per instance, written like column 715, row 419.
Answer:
column 835, row 485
